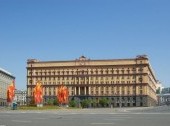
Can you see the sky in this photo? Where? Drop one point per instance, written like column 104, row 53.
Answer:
column 50, row 30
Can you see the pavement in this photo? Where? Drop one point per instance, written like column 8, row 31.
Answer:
column 142, row 116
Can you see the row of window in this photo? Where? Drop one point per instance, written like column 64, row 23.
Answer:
column 97, row 92
column 86, row 82
column 91, row 78
column 52, row 93
column 87, row 71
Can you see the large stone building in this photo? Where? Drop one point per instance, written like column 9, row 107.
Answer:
column 6, row 78
column 124, row 82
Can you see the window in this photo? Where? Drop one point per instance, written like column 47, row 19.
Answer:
column 53, row 72
column 141, row 92
column 140, row 79
column 96, row 71
column 106, row 71
column 123, row 71
column 117, row 71
column 101, row 71
column 112, row 71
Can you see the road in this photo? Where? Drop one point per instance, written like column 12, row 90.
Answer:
column 88, row 117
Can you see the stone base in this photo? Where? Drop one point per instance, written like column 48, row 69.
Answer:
column 39, row 105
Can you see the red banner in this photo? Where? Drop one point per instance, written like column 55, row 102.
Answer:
column 62, row 94
column 11, row 92
column 38, row 93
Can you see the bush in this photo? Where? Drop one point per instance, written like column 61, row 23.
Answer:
column 72, row 103
column 32, row 102
column 85, row 103
column 103, row 102
column 55, row 102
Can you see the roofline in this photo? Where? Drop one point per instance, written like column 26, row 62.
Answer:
column 7, row 73
column 79, row 60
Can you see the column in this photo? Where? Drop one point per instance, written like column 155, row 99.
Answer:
column 99, row 91
column 79, row 90
column 89, row 90
column 85, row 90
column 75, row 91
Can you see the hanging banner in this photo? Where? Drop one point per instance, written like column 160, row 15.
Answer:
column 38, row 93
column 11, row 92
column 62, row 94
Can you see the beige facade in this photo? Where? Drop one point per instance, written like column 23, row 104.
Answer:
column 125, row 82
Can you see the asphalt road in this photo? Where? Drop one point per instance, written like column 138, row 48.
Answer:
column 87, row 117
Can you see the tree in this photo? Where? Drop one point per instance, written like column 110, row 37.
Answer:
column 55, row 102
column 50, row 102
column 158, row 91
column 94, row 103
column 72, row 103
column 32, row 102
column 103, row 102
column 85, row 103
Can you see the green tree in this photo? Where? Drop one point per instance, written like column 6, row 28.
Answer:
column 158, row 91
column 85, row 103
column 55, row 102
column 32, row 102
column 103, row 102
column 72, row 103
column 94, row 103
column 50, row 102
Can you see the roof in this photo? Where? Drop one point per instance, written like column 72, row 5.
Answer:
column 6, row 72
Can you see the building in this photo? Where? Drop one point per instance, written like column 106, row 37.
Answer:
column 164, row 97
column 6, row 78
column 166, row 90
column 124, row 82
column 20, row 97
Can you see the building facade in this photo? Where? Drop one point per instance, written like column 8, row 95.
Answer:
column 6, row 78
column 165, row 90
column 164, row 96
column 124, row 82
column 20, row 97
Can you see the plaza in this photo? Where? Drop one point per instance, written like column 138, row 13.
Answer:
column 152, row 116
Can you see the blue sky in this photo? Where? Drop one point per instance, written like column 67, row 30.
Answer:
column 98, row 29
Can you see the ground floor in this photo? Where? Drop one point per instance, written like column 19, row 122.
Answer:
column 3, row 102
column 111, row 101
column 164, row 99
column 118, row 101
